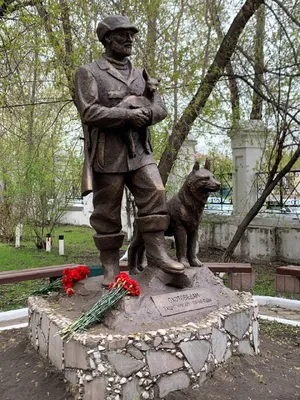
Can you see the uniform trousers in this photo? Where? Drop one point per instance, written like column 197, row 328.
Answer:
column 146, row 186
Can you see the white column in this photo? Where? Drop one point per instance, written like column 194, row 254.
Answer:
column 246, row 142
column 61, row 245
column 18, row 234
column 48, row 242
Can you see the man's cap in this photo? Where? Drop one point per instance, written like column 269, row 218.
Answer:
column 113, row 23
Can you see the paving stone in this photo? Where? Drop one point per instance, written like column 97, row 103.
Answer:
column 256, row 336
column 181, row 336
column 245, row 347
column 167, row 345
column 160, row 362
column 55, row 347
column 134, row 352
column 202, row 378
column 43, row 345
column 45, row 324
column 117, row 344
column 75, row 355
column 144, row 346
column 170, row 383
column 131, row 390
column 204, row 331
column 237, row 323
column 196, row 353
column 94, row 390
column 219, row 344
column 34, row 321
column 228, row 354
column 157, row 341
column 71, row 376
column 124, row 365
column 97, row 356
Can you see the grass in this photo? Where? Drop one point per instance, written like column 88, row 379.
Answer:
column 78, row 245
column 79, row 249
column 264, row 281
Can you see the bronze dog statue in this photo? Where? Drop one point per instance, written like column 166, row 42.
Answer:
column 185, row 210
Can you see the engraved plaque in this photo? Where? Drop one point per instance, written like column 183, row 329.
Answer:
column 186, row 300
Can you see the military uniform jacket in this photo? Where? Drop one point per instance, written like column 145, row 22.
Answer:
column 99, row 88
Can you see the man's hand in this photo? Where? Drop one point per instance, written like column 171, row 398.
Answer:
column 139, row 117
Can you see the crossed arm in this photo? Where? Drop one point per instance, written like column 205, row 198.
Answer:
column 94, row 114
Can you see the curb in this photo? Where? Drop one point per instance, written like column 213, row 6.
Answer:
column 18, row 326
column 279, row 320
column 278, row 302
column 13, row 314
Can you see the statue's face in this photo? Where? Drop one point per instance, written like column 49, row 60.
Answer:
column 120, row 42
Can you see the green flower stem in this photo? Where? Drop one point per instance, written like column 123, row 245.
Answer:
column 51, row 287
column 95, row 314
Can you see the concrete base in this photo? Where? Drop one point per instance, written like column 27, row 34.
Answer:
column 145, row 363
column 287, row 284
column 241, row 281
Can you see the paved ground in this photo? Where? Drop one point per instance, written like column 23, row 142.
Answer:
column 275, row 375
column 278, row 312
column 4, row 324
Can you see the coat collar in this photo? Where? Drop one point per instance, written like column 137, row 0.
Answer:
column 106, row 65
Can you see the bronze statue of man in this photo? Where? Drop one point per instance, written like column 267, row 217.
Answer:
column 101, row 89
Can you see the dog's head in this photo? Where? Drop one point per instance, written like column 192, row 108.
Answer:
column 201, row 180
column 151, row 83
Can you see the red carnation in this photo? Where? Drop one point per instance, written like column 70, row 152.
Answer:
column 72, row 276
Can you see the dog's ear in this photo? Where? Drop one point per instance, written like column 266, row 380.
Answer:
column 207, row 164
column 196, row 166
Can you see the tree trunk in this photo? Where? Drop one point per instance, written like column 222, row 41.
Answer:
column 232, row 83
column 152, row 9
column 257, row 101
column 214, row 73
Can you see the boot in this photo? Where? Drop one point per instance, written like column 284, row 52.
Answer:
column 152, row 228
column 109, row 246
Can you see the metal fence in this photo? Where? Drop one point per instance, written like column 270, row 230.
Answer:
column 222, row 199
column 285, row 197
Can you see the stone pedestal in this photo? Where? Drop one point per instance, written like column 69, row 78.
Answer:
column 246, row 142
column 148, row 346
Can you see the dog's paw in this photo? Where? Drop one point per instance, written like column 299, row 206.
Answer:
column 184, row 261
column 196, row 263
column 134, row 271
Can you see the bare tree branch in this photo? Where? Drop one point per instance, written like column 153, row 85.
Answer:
column 215, row 71
column 7, row 5
column 256, row 112
column 281, row 5
column 233, row 87
column 36, row 103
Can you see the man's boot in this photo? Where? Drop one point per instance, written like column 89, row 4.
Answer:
column 109, row 246
column 152, row 228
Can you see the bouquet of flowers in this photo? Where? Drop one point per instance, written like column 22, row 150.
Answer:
column 121, row 287
column 69, row 278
